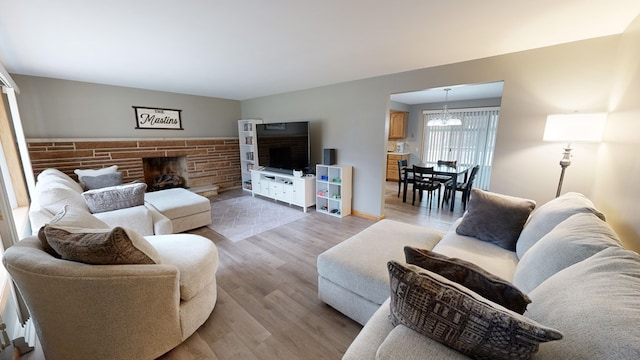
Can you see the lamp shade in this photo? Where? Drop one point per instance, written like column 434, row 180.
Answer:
column 575, row 127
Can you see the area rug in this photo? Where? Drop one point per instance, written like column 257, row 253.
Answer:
column 245, row 216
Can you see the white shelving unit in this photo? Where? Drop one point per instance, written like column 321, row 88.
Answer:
column 290, row 189
column 248, row 150
column 333, row 189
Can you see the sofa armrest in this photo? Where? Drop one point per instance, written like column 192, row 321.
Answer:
column 74, row 305
column 161, row 224
column 137, row 218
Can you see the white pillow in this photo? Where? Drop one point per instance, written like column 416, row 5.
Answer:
column 96, row 172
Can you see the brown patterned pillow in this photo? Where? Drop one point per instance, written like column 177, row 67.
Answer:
column 459, row 318
column 101, row 246
column 470, row 276
column 115, row 197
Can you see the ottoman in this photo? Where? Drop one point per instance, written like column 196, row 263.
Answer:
column 185, row 209
column 353, row 276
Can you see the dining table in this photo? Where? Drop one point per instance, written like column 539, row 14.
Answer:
column 453, row 172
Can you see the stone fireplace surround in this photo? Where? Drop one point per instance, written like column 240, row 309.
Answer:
column 212, row 164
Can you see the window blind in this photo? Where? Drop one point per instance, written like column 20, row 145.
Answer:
column 471, row 143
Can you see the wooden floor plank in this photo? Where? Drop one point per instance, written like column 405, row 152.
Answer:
column 268, row 306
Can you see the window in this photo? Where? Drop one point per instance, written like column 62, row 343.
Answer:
column 471, row 143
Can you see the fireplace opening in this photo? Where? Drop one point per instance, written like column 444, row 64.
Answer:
column 165, row 172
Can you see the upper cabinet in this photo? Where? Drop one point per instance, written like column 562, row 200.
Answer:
column 398, row 124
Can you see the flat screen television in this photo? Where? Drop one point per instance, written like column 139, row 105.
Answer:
column 283, row 147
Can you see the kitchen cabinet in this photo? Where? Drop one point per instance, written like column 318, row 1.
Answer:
column 392, row 164
column 398, row 124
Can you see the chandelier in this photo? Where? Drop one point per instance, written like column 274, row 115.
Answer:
column 445, row 118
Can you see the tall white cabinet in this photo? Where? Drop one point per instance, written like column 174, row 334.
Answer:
column 248, row 150
column 333, row 189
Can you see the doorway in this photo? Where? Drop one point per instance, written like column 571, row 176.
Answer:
column 467, row 100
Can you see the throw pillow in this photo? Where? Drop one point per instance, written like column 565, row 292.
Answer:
column 101, row 246
column 70, row 218
column 94, row 172
column 470, row 276
column 495, row 218
column 115, row 197
column 102, row 181
column 459, row 318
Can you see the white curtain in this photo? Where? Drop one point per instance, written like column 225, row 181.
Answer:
column 471, row 143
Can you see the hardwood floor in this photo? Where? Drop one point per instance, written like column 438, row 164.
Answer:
column 267, row 304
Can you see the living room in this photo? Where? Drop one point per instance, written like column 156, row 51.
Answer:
column 593, row 75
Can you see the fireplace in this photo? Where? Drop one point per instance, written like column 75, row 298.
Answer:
column 165, row 172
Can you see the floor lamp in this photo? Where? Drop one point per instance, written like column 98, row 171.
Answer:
column 572, row 128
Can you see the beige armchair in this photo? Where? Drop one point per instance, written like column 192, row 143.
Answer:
column 83, row 311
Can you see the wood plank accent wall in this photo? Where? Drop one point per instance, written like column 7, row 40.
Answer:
column 213, row 161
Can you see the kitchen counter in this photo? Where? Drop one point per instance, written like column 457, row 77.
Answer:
column 398, row 153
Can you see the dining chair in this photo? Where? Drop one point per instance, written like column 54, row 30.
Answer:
column 464, row 187
column 450, row 163
column 402, row 165
column 423, row 180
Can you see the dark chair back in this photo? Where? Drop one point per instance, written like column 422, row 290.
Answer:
column 402, row 164
column 423, row 180
column 450, row 163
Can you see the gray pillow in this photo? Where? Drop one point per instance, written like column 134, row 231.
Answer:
column 495, row 218
column 470, row 276
column 550, row 214
column 571, row 241
column 101, row 246
column 115, row 197
column 101, row 181
column 458, row 317
column 596, row 304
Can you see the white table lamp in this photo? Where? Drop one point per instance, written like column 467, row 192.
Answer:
column 572, row 128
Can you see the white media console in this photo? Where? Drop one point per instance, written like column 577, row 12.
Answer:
column 290, row 189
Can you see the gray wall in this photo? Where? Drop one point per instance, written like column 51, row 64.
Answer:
column 353, row 116
column 52, row 108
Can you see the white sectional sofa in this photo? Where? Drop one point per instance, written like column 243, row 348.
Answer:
column 54, row 189
column 567, row 259
column 156, row 213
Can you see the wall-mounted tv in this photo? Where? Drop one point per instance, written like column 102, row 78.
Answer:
column 283, row 147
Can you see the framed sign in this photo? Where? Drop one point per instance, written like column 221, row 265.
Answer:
column 157, row 118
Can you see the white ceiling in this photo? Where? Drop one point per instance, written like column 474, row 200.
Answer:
column 244, row 49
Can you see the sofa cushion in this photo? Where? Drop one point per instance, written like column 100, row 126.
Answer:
column 490, row 257
column 596, row 303
column 460, row 318
column 195, row 257
column 101, row 246
column 178, row 202
column 573, row 240
column 52, row 195
column 470, row 276
column 70, row 218
column 550, row 214
column 359, row 263
column 102, row 181
column 495, row 218
column 55, row 175
column 115, row 197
